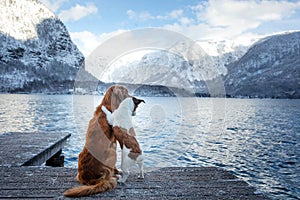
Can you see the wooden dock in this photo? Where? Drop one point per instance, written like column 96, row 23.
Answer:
column 164, row 183
column 36, row 182
column 30, row 149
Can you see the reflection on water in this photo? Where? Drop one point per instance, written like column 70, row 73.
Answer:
column 258, row 140
column 32, row 113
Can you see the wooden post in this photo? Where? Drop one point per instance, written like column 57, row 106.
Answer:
column 57, row 160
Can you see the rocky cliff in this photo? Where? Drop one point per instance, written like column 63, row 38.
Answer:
column 270, row 68
column 36, row 52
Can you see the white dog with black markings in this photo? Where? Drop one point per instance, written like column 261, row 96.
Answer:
column 121, row 121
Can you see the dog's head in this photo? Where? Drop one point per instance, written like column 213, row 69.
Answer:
column 114, row 96
column 136, row 103
column 129, row 105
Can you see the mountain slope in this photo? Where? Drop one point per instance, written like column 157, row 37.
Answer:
column 270, row 68
column 192, row 69
column 36, row 52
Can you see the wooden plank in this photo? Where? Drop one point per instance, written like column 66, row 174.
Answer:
column 164, row 183
column 28, row 149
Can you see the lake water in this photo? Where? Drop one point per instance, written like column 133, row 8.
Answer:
column 257, row 139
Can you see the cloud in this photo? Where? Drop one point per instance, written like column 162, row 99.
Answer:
column 77, row 12
column 247, row 14
column 53, row 4
column 146, row 15
column 142, row 16
column 186, row 21
column 174, row 14
column 231, row 18
column 212, row 19
column 87, row 41
column 131, row 14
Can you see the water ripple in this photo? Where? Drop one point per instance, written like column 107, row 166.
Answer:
column 258, row 140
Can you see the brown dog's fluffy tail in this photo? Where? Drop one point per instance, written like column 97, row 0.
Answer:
column 87, row 190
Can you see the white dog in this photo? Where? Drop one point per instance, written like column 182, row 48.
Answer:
column 121, row 120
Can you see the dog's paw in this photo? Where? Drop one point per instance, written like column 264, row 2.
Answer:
column 141, row 176
column 122, row 181
column 118, row 171
column 117, row 176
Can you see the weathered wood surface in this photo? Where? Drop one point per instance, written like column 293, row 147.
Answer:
column 27, row 149
column 164, row 183
column 18, row 181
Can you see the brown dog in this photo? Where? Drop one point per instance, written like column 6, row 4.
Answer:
column 96, row 162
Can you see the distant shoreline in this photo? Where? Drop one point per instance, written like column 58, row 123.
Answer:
column 198, row 95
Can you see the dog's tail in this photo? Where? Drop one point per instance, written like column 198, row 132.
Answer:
column 87, row 190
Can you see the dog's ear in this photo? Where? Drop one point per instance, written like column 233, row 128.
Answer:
column 117, row 91
column 121, row 92
column 137, row 101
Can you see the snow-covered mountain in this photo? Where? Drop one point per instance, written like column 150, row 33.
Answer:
column 223, row 52
column 37, row 55
column 270, row 68
column 36, row 52
column 196, row 64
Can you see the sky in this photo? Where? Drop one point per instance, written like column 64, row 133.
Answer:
column 91, row 22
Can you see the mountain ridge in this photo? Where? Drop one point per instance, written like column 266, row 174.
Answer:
column 36, row 51
column 270, row 68
column 38, row 55
column 273, row 60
